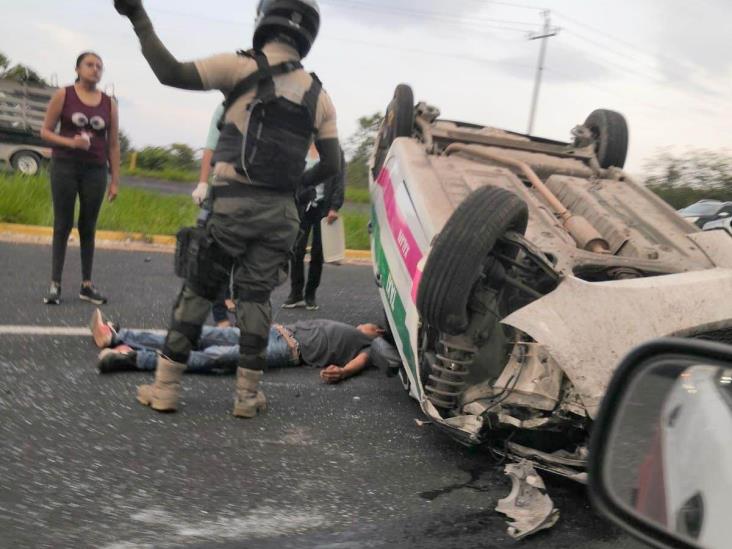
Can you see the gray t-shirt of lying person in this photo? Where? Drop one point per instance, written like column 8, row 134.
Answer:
column 325, row 342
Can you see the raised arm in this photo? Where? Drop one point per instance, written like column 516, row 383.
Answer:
column 167, row 68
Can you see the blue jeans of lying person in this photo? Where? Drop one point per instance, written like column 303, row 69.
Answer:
column 217, row 352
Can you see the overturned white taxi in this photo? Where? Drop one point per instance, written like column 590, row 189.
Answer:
column 516, row 271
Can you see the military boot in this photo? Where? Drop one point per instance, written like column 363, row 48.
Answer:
column 164, row 393
column 249, row 399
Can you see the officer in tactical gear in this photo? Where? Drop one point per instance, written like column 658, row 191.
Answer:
column 272, row 112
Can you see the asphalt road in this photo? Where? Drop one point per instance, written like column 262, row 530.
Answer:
column 163, row 187
column 83, row 465
column 173, row 187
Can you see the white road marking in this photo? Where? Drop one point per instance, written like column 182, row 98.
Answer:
column 53, row 330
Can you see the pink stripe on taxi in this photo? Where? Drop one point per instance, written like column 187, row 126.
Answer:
column 408, row 248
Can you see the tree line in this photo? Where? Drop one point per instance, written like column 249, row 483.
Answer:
column 680, row 179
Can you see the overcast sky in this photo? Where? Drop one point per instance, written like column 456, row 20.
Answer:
column 665, row 64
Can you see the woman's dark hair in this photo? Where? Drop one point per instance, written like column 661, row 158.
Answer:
column 83, row 56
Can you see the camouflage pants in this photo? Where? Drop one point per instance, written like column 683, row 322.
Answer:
column 251, row 236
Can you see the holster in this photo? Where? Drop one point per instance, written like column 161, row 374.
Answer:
column 191, row 247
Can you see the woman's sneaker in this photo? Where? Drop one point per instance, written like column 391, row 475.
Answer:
column 103, row 331
column 90, row 293
column 54, row 295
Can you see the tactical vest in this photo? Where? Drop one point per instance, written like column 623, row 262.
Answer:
column 271, row 150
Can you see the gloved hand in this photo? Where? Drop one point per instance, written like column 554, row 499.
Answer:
column 199, row 193
column 128, row 8
column 306, row 195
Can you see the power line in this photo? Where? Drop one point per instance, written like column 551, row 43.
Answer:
column 500, row 24
column 460, row 56
column 369, row 43
column 681, row 74
column 509, row 4
column 672, row 65
column 425, row 13
column 461, row 23
column 634, row 47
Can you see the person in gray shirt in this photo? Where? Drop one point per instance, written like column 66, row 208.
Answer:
column 339, row 349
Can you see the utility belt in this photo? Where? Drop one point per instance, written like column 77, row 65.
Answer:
column 244, row 190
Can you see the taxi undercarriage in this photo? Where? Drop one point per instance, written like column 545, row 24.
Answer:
column 516, row 272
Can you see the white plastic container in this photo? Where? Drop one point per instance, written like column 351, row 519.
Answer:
column 334, row 240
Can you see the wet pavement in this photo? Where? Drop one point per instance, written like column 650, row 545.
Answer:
column 346, row 466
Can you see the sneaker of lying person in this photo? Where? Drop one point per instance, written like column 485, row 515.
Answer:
column 103, row 331
column 117, row 359
column 90, row 293
column 53, row 297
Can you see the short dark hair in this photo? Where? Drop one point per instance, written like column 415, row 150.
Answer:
column 84, row 55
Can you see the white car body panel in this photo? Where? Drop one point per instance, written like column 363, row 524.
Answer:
column 697, row 451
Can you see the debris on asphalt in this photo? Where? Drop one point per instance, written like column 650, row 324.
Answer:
column 528, row 504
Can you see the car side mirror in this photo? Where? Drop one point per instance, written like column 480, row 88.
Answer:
column 660, row 460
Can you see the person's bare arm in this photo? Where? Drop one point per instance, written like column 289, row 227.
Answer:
column 114, row 152
column 166, row 67
column 201, row 191
column 335, row 373
column 48, row 130
column 205, row 165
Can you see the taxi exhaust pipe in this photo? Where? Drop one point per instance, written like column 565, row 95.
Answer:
column 581, row 230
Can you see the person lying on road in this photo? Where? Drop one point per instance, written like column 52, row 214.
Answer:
column 339, row 349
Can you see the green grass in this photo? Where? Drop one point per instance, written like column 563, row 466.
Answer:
column 359, row 195
column 27, row 200
column 356, row 228
column 168, row 174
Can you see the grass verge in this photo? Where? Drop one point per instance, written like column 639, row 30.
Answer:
column 27, row 200
column 359, row 195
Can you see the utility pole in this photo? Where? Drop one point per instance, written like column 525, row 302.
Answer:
column 547, row 32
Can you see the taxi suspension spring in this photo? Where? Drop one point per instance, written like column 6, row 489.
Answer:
column 449, row 372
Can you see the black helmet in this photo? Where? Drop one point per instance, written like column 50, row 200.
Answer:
column 297, row 19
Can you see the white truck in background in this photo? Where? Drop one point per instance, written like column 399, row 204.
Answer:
column 22, row 108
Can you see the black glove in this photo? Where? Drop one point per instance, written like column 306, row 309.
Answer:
column 306, row 195
column 128, row 8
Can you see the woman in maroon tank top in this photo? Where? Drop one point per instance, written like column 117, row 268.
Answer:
column 85, row 148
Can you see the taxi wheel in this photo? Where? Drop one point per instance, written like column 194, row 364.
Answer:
column 460, row 253
column 610, row 132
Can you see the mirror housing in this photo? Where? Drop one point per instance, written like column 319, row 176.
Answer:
column 672, row 359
